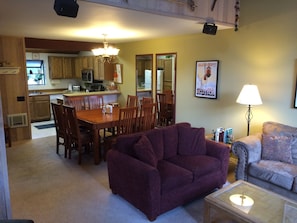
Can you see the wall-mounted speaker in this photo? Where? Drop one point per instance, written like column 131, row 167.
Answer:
column 210, row 28
column 67, row 8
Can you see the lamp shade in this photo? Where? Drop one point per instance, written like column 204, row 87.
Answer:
column 249, row 95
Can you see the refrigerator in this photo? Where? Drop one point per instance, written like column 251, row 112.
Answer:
column 160, row 77
column 148, row 79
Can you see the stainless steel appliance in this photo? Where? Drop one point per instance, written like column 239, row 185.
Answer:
column 87, row 75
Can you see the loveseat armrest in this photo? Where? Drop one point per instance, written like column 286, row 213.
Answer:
column 247, row 149
column 220, row 151
column 136, row 181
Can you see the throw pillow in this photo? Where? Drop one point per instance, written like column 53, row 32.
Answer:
column 191, row 141
column 277, row 148
column 144, row 151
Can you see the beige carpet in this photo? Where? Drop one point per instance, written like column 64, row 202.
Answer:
column 48, row 188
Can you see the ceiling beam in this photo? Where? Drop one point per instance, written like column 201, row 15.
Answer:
column 47, row 45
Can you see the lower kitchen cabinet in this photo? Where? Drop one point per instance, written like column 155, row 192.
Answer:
column 40, row 108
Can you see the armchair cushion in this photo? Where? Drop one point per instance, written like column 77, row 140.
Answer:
column 278, row 173
column 144, row 151
column 199, row 165
column 277, row 148
column 191, row 141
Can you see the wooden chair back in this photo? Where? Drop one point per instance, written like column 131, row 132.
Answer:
column 95, row 102
column 147, row 117
column 127, row 120
column 77, row 102
column 165, row 113
column 132, row 101
column 75, row 137
column 147, row 100
column 59, row 125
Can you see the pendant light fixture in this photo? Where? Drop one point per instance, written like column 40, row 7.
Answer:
column 107, row 53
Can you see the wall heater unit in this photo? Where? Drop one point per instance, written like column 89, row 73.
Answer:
column 17, row 120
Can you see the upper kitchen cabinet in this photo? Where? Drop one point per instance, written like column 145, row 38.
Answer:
column 61, row 67
column 84, row 62
column 103, row 71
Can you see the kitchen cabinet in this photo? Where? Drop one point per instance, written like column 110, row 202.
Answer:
column 68, row 67
column 80, row 63
column 61, row 67
column 103, row 71
column 39, row 108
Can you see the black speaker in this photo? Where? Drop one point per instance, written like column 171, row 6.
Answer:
column 210, row 28
column 67, row 8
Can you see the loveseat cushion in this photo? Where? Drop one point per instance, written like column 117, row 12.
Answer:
column 173, row 176
column 275, row 172
column 277, row 148
column 171, row 138
column 199, row 165
column 144, row 151
column 191, row 141
column 156, row 138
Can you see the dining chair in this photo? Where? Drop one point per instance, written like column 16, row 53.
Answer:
column 95, row 102
column 132, row 101
column 147, row 117
column 126, row 125
column 165, row 113
column 147, row 100
column 77, row 138
column 60, row 127
column 77, row 102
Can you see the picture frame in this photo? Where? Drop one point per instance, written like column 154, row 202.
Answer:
column 118, row 73
column 206, row 79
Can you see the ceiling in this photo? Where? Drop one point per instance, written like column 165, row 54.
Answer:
column 37, row 19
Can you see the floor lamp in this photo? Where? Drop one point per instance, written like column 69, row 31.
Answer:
column 249, row 96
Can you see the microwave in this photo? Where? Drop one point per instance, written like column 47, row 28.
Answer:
column 87, row 75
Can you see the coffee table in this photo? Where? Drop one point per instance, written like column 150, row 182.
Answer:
column 250, row 203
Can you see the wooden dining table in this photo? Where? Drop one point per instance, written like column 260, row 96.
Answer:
column 95, row 120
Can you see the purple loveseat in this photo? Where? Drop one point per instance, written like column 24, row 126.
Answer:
column 164, row 168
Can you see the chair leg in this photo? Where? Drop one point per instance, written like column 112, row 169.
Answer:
column 57, row 144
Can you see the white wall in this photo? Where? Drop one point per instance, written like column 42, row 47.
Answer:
column 262, row 52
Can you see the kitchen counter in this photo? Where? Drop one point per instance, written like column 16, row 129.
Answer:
column 108, row 96
column 144, row 89
column 83, row 93
column 46, row 92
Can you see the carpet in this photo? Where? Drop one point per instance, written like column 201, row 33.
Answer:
column 45, row 126
column 48, row 188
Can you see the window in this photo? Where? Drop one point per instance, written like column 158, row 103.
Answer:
column 35, row 72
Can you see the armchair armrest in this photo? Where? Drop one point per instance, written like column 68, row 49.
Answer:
column 248, row 149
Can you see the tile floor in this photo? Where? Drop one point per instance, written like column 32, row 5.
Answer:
column 41, row 133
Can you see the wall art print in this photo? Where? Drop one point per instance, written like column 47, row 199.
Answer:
column 206, row 79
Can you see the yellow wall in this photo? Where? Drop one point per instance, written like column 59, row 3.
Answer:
column 262, row 52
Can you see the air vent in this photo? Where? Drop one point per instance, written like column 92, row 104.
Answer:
column 17, row 120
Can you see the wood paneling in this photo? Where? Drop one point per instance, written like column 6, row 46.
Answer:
column 12, row 50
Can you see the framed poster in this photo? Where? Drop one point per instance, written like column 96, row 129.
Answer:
column 118, row 73
column 206, row 79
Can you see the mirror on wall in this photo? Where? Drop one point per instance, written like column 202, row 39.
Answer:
column 165, row 81
column 144, row 76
